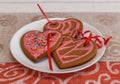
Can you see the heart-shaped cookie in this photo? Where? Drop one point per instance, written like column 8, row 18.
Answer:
column 66, row 27
column 73, row 52
column 34, row 43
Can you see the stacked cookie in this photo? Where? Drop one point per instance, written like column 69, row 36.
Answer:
column 67, row 50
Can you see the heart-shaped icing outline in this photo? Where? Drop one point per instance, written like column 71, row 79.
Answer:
column 27, row 51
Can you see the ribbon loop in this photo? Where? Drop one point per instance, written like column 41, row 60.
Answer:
column 87, row 38
column 98, row 40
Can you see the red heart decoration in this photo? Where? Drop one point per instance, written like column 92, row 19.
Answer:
column 73, row 52
column 34, row 43
column 66, row 27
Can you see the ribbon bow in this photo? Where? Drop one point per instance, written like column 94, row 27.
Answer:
column 99, row 40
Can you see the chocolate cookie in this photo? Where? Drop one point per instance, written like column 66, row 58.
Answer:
column 66, row 27
column 73, row 52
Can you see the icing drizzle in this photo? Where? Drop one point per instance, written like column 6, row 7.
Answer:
column 73, row 46
column 68, row 26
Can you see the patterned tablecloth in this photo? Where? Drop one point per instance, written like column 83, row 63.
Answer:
column 106, row 71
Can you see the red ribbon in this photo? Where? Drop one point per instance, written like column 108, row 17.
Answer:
column 88, row 38
column 43, row 12
column 100, row 41
column 48, row 52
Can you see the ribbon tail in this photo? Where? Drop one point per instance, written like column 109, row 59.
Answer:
column 48, row 52
column 106, row 40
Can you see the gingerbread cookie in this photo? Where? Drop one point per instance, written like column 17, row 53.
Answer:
column 73, row 52
column 66, row 27
column 34, row 43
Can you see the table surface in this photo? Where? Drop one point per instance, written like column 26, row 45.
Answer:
column 106, row 71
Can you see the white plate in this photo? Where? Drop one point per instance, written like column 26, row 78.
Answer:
column 42, row 65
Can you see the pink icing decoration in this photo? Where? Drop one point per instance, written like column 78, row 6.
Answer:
column 35, row 41
column 69, row 30
column 73, row 47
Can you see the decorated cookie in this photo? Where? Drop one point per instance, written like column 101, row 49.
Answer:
column 34, row 43
column 66, row 27
column 73, row 52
